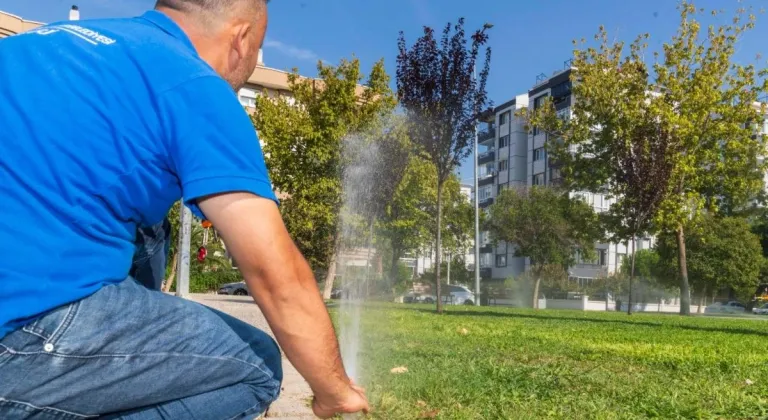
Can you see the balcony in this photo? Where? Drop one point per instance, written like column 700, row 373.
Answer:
column 485, row 202
column 486, row 178
column 487, row 133
column 487, row 156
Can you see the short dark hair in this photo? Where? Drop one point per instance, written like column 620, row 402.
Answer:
column 210, row 6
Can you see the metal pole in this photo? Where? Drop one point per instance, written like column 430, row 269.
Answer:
column 182, row 271
column 477, row 216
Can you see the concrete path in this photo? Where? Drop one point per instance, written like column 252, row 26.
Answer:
column 295, row 396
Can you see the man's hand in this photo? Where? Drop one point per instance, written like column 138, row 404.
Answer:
column 351, row 401
column 285, row 289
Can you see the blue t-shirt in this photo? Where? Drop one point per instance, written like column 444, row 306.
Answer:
column 104, row 124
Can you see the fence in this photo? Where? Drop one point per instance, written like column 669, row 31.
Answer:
column 584, row 304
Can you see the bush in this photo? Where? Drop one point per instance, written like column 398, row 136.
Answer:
column 211, row 281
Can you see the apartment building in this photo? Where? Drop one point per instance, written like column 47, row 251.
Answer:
column 513, row 155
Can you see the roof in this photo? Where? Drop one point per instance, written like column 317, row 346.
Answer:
column 12, row 24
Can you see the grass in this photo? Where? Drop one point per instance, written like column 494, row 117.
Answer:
column 494, row 363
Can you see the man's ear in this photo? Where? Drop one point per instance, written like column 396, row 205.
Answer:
column 240, row 42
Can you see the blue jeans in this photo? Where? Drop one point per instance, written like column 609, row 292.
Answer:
column 149, row 260
column 127, row 352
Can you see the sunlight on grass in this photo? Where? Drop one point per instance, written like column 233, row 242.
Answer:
column 485, row 363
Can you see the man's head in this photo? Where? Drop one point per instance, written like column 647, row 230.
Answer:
column 226, row 33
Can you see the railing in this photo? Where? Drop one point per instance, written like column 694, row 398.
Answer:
column 488, row 133
column 488, row 153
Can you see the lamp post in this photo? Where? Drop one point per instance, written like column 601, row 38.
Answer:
column 477, row 202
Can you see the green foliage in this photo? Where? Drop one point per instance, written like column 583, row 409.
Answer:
column 666, row 148
column 722, row 252
column 521, row 364
column 545, row 225
column 211, row 281
column 442, row 97
column 303, row 136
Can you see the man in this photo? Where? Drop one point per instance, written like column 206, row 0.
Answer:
column 104, row 124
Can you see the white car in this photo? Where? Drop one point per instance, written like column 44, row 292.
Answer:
column 457, row 295
column 761, row 310
column 731, row 307
column 237, row 289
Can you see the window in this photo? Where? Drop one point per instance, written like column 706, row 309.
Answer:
column 486, row 260
column 249, row 102
column 538, row 179
column 602, row 257
column 561, row 91
column 486, row 192
column 502, row 187
column 554, row 174
column 501, row 260
column 504, row 141
column 539, row 154
column 564, row 114
column 503, row 165
column 538, row 103
column 247, row 97
column 486, row 170
column 504, row 118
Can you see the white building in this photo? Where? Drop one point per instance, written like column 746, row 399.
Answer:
column 515, row 155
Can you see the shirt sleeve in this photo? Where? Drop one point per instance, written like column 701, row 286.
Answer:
column 212, row 144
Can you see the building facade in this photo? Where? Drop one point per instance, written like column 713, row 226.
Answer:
column 514, row 155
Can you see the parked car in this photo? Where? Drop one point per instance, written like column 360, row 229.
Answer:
column 237, row 289
column 731, row 307
column 761, row 310
column 456, row 295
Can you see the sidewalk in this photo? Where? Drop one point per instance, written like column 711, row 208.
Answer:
column 294, row 400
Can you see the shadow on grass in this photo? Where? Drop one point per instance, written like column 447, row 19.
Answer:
column 739, row 331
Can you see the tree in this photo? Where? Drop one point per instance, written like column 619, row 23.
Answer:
column 546, row 226
column 666, row 148
column 376, row 163
column 303, row 135
column 439, row 93
column 457, row 220
column 722, row 253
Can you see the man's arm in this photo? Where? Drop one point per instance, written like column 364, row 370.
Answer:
column 284, row 287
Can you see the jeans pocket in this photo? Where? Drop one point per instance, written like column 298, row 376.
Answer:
column 52, row 326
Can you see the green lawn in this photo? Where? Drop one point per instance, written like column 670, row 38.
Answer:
column 494, row 363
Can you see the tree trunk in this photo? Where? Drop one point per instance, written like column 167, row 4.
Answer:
column 330, row 276
column 368, row 257
column 685, row 291
column 438, row 245
column 702, row 297
column 448, row 271
column 172, row 275
column 631, row 277
column 394, row 270
column 536, row 292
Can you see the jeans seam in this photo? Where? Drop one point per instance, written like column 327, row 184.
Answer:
column 64, row 326
column 34, row 332
column 246, row 411
column 266, row 372
column 32, row 329
column 52, row 410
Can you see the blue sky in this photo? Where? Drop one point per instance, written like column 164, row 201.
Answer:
column 529, row 37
